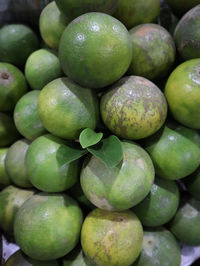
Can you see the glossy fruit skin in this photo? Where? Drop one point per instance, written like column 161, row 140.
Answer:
column 133, row 108
column 46, row 166
column 134, row 175
column 111, row 238
column 4, row 178
column 187, row 216
column 11, row 38
column 26, row 116
column 20, row 259
column 159, row 248
column 179, row 7
column 15, row 165
column 91, row 65
column 74, row 8
column 48, row 225
column 174, row 156
column 66, row 111
column 47, row 62
column 132, row 13
column 192, row 184
column 52, row 24
column 160, row 205
column 8, row 131
column 153, row 51
column 183, row 94
column 187, row 36
column 12, row 86
column 11, row 199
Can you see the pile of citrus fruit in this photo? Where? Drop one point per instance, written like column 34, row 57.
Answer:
column 99, row 140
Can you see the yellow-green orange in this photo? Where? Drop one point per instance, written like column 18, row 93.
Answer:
column 4, row 178
column 52, row 24
column 15, row 165
column 12, row 86
column 121, row 187
column 111, row 238
column 11, row 199
column 135, row 12
column 47, row 226
column 65, row 108
column 95, row 50
column 183, row 94
column 133, row 108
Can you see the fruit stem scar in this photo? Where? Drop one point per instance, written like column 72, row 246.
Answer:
column 4, row 75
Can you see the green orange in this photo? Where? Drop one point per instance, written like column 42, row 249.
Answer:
column 179, row 7
column 65, row 108
column 76, row 258
column 111, row 238
column 183, row 94
column 192, row 184
column 47, row 226
column 12, row 86
column 4, row 177
column 95, row 50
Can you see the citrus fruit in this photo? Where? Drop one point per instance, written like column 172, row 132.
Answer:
column 160, row 205
column 174, row 155
column 153, row 51
column 133, row 108
column 17, row 42
column 183, row 94
column 187, row 218
column 75, row 8
column 12, row 86
column 11, row 198
column 111, row 238
column 76, row 258
column 4, row 178
column 187, row 35
column 179, row 7
column 8, row 131
column 47, row 226
column 46, row 164
column 47, row 63
column 95, row 50
column 14, row 163
column 159, row 248
column 192, row 184
column 26, row 116
column 132, row 13
column 134, row 175
column 20, row 259
column 65, row 108
column 52, row 24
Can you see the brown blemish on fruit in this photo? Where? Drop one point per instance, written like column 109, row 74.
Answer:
column 4, row 75
column 144, row 30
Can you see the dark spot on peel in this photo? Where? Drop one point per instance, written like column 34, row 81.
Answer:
column 4, row 75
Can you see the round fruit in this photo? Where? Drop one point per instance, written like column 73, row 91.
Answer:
column 8, row 132
column 192, row 183
column 65, row 108
column 111, row 238
column 4, row 178
column 52, row 24
column 180, row 7
column 47, row 63
column 11, row 199
column 187, row 217
column 14, row 163
column 183, row 94
column 133, row 108
column 20, row 259
column 17, row 42
column 160, row 205
column 12, row 86
column 75, row 8
column 153, row 51
column 76, row 258
column 134, row 175
column 26, row 116
column 95, row 50
column 187, row 35
column 46, row 164
column 159, row 248
column 48, row 225
column 132, row 13
column 174, row 156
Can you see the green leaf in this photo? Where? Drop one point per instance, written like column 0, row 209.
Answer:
column 108, row 150
column 89, row 137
